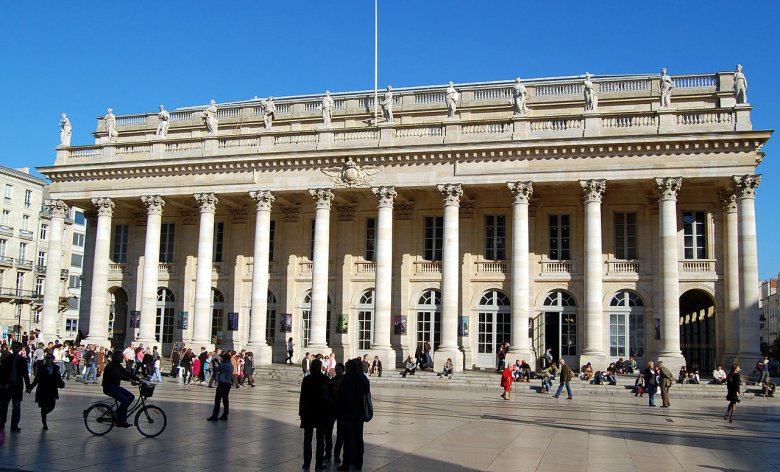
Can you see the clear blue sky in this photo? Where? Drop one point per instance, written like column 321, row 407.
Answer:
column 82, row 57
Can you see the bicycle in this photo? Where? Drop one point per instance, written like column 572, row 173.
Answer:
column 150, row 420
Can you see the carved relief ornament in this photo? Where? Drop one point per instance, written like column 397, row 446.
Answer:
column 350, row 175
column 104, row 205
column 745, row 185
column 668, row 187
column 450, row 193
column 263, row 199
column 593, row 189
column 521, row 191
column 385, row 195
column 207, row 201
column 322, row 197
column 729, row 202
column 57, row 208
column 154, row 204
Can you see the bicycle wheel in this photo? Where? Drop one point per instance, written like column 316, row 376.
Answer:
column 99, row 419
column 151, row 421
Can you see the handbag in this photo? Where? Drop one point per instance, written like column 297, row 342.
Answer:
column 368, row 407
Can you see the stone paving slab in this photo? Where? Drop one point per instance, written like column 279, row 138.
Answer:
column 413, row 430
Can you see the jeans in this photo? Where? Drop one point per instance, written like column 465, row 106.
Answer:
column 651, row 394
column 89, row 369
column 223, row 391
column 157, row 375
column 307, row 436
column 124, row 397
column 560, row 388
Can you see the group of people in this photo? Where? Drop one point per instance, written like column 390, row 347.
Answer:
column 185, row 365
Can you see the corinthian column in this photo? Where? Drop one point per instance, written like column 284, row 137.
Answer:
column 51, row 293
column 319, row 277
column 731, row 280
column 384, row 275
column 154, row 208
column 593, row 352
column 669, row 350
column 257, row 322
column 450, row 263
column 749, row 339
column 202, row 322
column 98, row 323
column 520, row 342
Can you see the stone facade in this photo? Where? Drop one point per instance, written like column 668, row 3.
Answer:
column 770, row 309
column 589, row 231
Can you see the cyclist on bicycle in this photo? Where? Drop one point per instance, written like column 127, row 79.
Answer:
column 113, row 375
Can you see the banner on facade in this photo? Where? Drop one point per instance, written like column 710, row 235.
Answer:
column 399, row 324
column 135, row 319
column 285, row 323
column 657, row 329
column 232, row 321
column 184, row 319
column 342, row 324
column 463, row 325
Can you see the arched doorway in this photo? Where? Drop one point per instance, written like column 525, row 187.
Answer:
column 626, row 326
column 166, row 305
column 306, row 321
column 365, row 320
column 117, row 318
column 493, row 326
column 428, row 312
column 697, row 329
column 560, row 326
column 217, row 317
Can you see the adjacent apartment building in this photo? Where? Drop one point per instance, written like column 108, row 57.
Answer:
column 770, row 308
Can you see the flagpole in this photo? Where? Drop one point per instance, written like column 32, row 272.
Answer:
column 376, row 61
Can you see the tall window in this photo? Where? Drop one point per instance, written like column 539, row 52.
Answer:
column 370, row 254
column 271, row 240
column 365, row 319
column 626, row 325
column 76, row 260
column 44, row 232
column 559, row 238
column 493, row 322
column 217, row 316
column 270, row 321
column 9, row 192
column 167, row 234
column 219, row 238
column 71, row 327
column 27, row 198
column 78, row 240
column 311, row 248
column 429, row 317
column 6, row 218
column 79, row 218
column 23, row 251
column 434, row 238
column 495, row 237
column 121, row 234
column 3, row 244
column 694, row 235
column 41, row 259
column 26, row 222
column 19, row 280
column 39, row 285
column 74, row 282
column 625, row 235
column 166, row 304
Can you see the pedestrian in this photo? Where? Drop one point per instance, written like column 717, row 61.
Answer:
column 249, row 369
column 112, row 386
column 175, row 362
column 507, row 377
column 315, row 407
column 14, row 377
column 186, row 364
column 129, row 354
column 215, row 360
column 306, row 364
column 667, row 380
column 353, row 391
column 49, row 381
column 732, row 387
column 565, row 376
column 156, row 372
column 333, row 384
column 224, row 375
column 651, row 383
column 290, row 350
column 202, row 357
column 89, row 365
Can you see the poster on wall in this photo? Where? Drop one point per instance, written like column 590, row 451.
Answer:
column 463, row 325
column 399, row 324
column 135, row 319
column 184, row 319
column 342, row 324
column 232, row 321
column 657, row 328
column 285, row 323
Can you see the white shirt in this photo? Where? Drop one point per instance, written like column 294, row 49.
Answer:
column 719, row 374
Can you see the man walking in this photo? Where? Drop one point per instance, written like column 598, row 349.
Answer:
column 650, row 382
column 565, row 376
column 666, row 381
column 14, row 378
column 224, row 375
column 89, row 365
column 202, row 358
column 314, row 408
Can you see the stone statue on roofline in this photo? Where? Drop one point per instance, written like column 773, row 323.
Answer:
column 269, row 113
column 591, row 99
column 162, row 126
column 110, row 123
column 667, row 84
column 209, row 117
column 451, row 98
column 327, row 108
column 519, row 98
column 387, row 105
column 66, row 130
column 740, row 86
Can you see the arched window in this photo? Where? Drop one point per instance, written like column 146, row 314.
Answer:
column 306, row 321
column 560, row 325
column 365, row 312
column 217, row 317
column 559, row 298
column 428, row 311
column 166, row 305
column 626, row 325
column 493, row 325
column 270, row 320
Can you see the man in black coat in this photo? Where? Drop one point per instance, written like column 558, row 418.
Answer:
column 202, row 358
column 313, row 408
column 650, row 382
column 49, row 381
column 352, row 391
column 14, row 378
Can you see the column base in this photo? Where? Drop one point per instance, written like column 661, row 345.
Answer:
column 598, row 360
column 672, row 361
column 263, row 353
column 315, row 349
column 729, row 358
column 522, row 354
column 747, row 360
column 148, row 342
column 386, row 355
column 441, row 355
column 99, row 341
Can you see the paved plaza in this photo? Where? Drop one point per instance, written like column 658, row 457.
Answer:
column 413, row 430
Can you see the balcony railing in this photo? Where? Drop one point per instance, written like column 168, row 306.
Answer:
column 6, row 261
column 365, row 267
column 427, row 267
column 697, row 265
column 492, row 267
column 26, row 234
column 24, row 264
column 558, row 267
column 116, row 268
column 19, row 293
column 624, row 267
column 40, row 268
column 6, row 230
column 64, row 273
column 167, row 268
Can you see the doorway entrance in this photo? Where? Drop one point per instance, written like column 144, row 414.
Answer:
column 493, row 326
column 558, row 322
column 697, row 329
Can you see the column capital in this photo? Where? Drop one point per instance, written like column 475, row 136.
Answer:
column 104, row 205
column 58, row 208
column 154, row 204
column 521, row 191
column 385, row 195
column 592, row 190
column 322, row 197
column 745, row 185
column 263, row 199
column 207, row 201
column 668, row 187
column 450, row 193
column 729, row 202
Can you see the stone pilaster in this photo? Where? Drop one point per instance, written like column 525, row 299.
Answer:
column 98, row 307
column 749, row 337
column 593, row 351
column 202, row 319
column 323, row 198
column 450, row 264
column 52, row 284
column 384, row 275
column 521, row 302
column 154, row 209
column 257, row 323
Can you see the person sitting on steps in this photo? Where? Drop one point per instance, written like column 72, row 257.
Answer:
column 409, row 367
column 447, row 371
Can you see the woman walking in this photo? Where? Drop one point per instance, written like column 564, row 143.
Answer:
column 186, row 364
column 506, row 382
column 732, row 385
column 49, row 381
column 290, row 351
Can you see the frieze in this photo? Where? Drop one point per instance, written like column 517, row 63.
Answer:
column 346, row 212
column 239, row 216
column 291, row 214
column 404, row 211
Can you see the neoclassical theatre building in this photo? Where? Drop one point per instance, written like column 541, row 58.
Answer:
column 601, row 216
